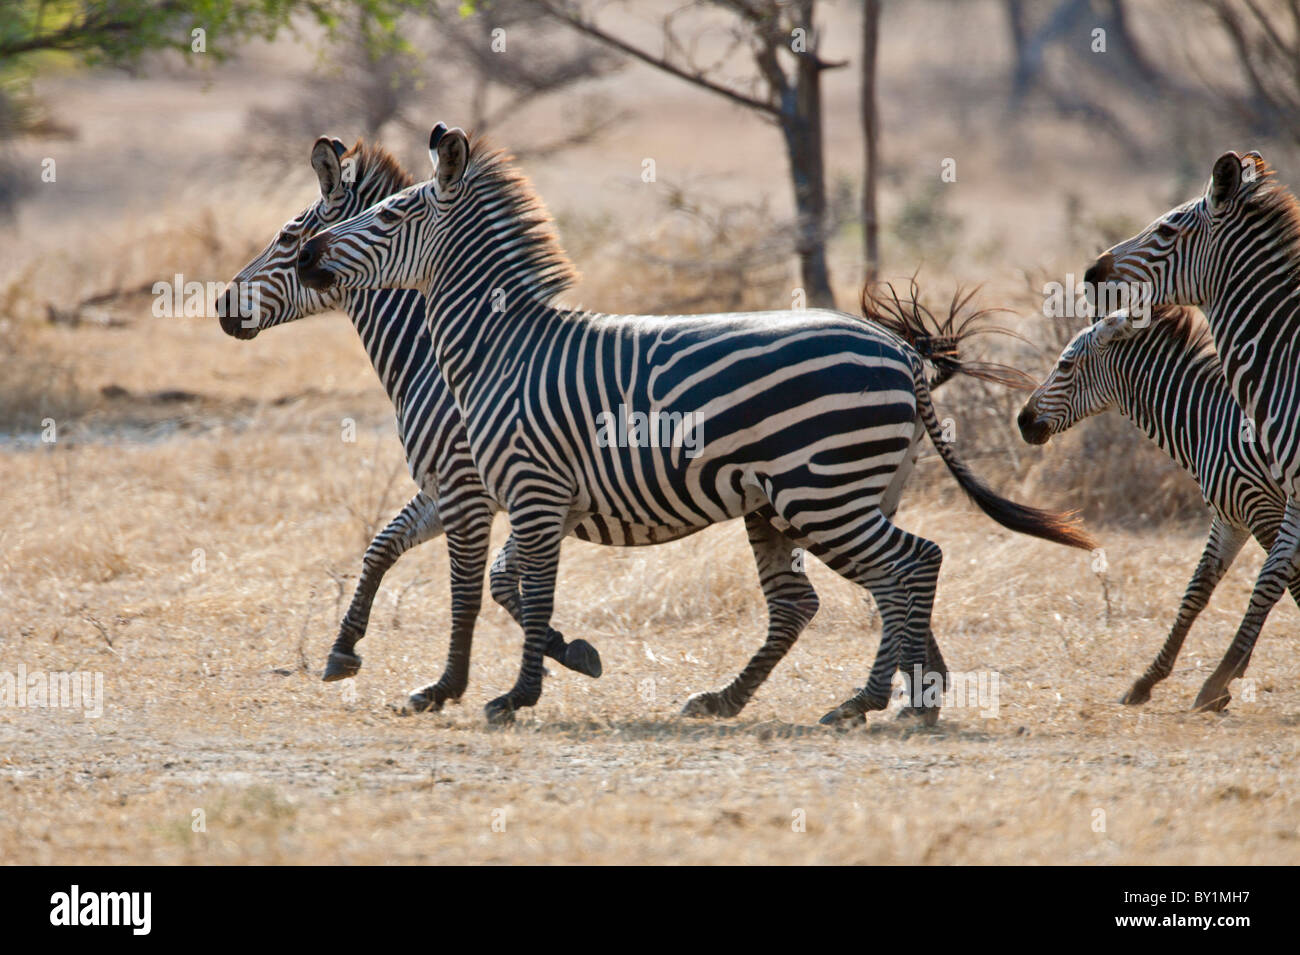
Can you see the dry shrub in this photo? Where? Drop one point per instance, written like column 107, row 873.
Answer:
column 1105, row 467
column 1108, row 469
column 108, row 284
column 697, row 255
column 33, row 386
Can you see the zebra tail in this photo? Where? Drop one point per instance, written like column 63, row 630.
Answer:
column 1058, row 527
column 941, row 341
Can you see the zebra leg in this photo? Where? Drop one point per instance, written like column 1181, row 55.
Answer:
column 538, row 534
column 891, row 601
column 579, row 655
column 467, row 549
column 791, row 604
column 933, row 674
column 935, row 670
column 1278, row 571
column 903, row 587
column 416, row 523
column 935, row 667
column 900, row 570
column 1222, row 547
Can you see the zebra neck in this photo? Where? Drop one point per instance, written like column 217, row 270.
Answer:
column 1254, row 310
column 390, row 324
column 484, row 334
column 1157, row 383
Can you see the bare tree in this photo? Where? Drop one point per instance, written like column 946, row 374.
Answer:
column 1265, row 41
column 506, row 77
column 871, row 139
column 786, row 89
column 376, row 77
column 1067, row 26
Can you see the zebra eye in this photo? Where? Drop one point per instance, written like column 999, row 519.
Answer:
column 1166, row 231
column 388, row 216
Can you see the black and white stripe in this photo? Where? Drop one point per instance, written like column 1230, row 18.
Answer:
column 1233, row 251
column 391, row 325
column 805, row 416
column 1168, row 381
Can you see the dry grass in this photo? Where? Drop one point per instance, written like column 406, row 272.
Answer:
column 212, row 703
column 211, row 696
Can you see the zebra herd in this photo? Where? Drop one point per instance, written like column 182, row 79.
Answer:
column 805, row 423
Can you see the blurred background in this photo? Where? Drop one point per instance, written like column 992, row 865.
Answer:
column 999, row 142
column 186, row 513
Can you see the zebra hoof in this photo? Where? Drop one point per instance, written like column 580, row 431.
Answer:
column 1210, row 700
column 500, row 712
column 424, row 700
column 1137, row 694
column 844, row 716
column 581, row 657
column 928, row 715
column 341, row 665
column 709, row 703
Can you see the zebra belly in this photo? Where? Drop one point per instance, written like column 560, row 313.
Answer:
column 684, row 422
column 832, row 446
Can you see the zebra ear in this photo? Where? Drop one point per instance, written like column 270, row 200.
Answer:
column 1225, row 180
column 325, row 154
column 1254, row 168
column 1115, row 327
column 449, row 150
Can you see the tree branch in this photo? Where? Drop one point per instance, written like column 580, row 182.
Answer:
column 590, row 29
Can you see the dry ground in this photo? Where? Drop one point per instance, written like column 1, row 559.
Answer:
column 212, row 700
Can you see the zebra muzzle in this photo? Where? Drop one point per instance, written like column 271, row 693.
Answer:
column 1099, row 271
column 1032, row 428
column 236, row 320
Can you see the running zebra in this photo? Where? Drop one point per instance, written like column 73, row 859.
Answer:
column 1169, row 383
column 1233, row 251
column 804, row 416
column 267, row 292
column 391, row 325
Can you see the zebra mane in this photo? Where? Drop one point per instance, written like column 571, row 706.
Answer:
column 1184, row 330
column 1272, row 198
column 1183, row 327
column 378, row 173
column 520, row 221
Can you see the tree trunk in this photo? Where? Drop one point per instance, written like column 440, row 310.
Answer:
column 801, row 125
column 871, row 137
column 796, row 105
column 1021, row 72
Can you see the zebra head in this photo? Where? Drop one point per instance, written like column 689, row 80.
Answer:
column 1082, row 384
column 267, row 291
column 1177, row 259
column 392, row 244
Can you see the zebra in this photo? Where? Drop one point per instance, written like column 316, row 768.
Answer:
column 391, row 324
column 266, row 292
column 809, row 414
column 1233, row 252
column 1170, row 384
